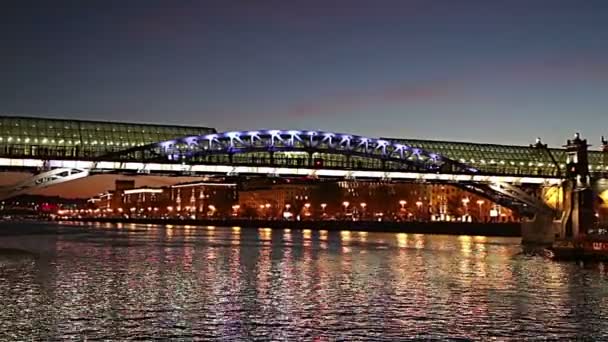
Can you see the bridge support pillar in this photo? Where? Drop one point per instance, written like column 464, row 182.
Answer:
column 539, row 230
column 580, row 195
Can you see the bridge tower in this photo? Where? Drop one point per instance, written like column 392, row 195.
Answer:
column 578, row 199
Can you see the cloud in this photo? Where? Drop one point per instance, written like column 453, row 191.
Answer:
column 357, row 100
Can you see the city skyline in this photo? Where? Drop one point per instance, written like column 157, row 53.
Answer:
column 472, row 71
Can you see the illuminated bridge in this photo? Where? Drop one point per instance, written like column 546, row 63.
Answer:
column 63, row 150
column 28, row 142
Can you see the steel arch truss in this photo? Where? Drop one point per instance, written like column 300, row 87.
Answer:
column 42, row 180
column 509, row 196
column 195, row 148
column 198, row 149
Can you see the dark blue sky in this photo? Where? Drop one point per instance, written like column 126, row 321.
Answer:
column 489, row 71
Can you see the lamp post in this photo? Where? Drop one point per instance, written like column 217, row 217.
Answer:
column 307, row 209
column 363, row 206
column 235, row 209
column 419, row 207
column 345, row 204
column 323, row 206
column 465, row 203
column 402, row 203
column 262, row 211
column 480, row 203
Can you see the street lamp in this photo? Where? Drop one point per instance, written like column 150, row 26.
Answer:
column 480, row 203
column 419, row 207
column 307, row 209
column 465, row 202
column 363, row 205
column 323, row 206
column 236, row 208
column 345, row 204
column 402, row 203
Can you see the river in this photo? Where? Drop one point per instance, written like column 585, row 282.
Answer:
column 122, row 282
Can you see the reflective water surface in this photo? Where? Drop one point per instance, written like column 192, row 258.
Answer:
column 122, row 282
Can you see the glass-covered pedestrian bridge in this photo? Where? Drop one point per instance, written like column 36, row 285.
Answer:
column 54, row 139
column 509, row 159
column 318, row 149
column 27, row 137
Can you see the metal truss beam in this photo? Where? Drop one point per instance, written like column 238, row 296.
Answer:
column 43, row 180
column 510, row 196
column 233, row 143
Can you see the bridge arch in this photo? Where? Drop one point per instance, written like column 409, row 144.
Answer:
column 306, row 148
column 295, row 148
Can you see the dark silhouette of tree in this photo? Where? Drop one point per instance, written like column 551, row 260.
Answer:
column 248, row 211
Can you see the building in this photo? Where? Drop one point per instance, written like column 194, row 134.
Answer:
column 274, row 200
column 198, row 199
column 448, row 203
column 278, row 199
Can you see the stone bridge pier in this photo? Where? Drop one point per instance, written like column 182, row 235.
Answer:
column 572, row 204
column 545, row 226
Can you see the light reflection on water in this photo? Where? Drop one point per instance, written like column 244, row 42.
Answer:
column 186, row 282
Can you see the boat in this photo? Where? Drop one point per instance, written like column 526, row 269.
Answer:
column 587, row 247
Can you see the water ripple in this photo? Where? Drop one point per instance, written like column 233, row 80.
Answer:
column 194, row 283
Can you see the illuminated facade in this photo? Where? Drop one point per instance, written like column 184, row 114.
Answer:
column 188, row 199
column 451, row 203
column 347, row 199
column 272, row 201
column 32, row 137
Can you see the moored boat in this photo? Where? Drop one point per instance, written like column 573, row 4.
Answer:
column 594, row 247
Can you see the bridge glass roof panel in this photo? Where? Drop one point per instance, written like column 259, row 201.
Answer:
column 60, row 138
column 505, row 158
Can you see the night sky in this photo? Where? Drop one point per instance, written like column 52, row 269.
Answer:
column 486, row 71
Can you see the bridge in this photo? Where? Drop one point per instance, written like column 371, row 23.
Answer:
column 516, row 177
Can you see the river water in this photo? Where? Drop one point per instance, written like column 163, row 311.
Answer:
column 122, row 282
